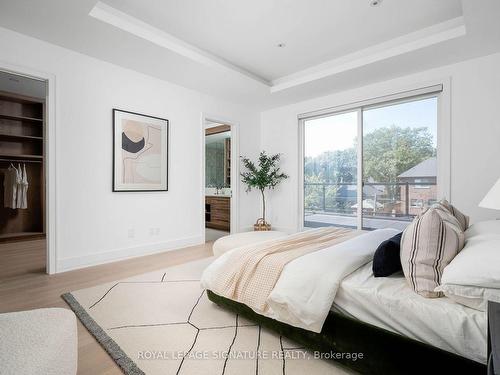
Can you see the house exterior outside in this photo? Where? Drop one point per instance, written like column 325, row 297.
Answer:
column 420, row 189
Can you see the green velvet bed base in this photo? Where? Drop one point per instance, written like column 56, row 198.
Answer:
column 384, row 352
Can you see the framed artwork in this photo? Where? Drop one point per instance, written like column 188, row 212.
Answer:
column 140, row 152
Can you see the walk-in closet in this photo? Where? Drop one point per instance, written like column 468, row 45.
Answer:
column 22, row 169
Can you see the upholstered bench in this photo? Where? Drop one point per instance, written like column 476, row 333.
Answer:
column 233, row 241
column 42, row 341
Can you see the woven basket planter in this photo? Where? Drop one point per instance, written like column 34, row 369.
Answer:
column 261, row 225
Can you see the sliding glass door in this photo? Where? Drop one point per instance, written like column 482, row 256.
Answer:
column 399, row 162
column 396, row 162
column 331, row 170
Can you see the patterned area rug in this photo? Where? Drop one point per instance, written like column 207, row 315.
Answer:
column 163, row 323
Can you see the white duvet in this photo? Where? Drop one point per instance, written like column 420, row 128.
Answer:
column 390, row 303
column 305, row 291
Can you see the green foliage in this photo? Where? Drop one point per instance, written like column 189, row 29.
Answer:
column 332, row 167
column 265, row 175
column 390, row 151
column 387, row 152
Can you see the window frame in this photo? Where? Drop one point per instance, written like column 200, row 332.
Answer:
column 439, row 90
column 417, row 203
column 421, row 184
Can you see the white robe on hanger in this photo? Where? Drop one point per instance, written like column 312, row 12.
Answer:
column 22, row 189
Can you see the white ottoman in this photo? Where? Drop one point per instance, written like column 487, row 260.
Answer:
column 42, row 341
column 233, row 241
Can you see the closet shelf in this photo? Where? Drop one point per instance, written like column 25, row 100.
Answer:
column 21, row 142
column 18, row 136
column 21, row 156
column 21, row 236
column 21, row 118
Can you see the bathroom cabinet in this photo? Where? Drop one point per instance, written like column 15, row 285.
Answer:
column 217, row 212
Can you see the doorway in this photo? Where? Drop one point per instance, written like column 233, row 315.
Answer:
column 219, row 175
column 23, row 187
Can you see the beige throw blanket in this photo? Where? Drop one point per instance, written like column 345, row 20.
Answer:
column 250, row 273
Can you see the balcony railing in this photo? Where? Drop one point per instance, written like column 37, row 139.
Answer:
column 397, row 201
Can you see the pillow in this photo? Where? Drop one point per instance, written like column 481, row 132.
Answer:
column 462, row 219
column 474, row 297
column 428, row 245
column 486, row 229
column 386, row 260
column 473, row 277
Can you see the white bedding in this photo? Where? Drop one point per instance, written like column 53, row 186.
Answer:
column 389, row 303
column 305, row 291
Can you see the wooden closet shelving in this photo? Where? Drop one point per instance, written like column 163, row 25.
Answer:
column 22, row 132
column 19, row 136
column 21, row 118
column 21, row 157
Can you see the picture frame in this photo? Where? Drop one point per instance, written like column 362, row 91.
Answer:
column 140, row 152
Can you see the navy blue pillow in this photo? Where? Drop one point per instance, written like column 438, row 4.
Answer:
column 386, row 260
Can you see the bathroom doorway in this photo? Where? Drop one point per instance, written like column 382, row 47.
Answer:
column 219, row 164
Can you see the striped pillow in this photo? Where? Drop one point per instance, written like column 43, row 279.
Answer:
column 428, row 245
column 462, row 219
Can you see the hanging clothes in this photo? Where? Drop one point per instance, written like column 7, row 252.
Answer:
column 22, row 189
column 10, row 185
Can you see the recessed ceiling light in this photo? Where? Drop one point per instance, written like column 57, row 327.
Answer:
column 375, row 3
column 281, row 45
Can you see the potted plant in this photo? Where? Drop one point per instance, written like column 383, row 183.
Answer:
column 265, row 175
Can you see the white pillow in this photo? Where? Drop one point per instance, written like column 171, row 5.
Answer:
column 483, row 230
column 471, row 296
column 473, row 277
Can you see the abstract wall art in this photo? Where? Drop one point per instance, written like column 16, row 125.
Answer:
column 140, row 152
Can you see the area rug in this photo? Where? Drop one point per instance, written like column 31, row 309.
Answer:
column 163, row 323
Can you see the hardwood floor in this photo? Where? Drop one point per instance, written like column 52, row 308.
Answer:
column 24, row 285
column 21, row 258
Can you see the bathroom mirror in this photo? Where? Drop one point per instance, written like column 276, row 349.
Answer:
column 218, row 160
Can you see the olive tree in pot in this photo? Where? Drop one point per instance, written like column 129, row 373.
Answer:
column 265, row 174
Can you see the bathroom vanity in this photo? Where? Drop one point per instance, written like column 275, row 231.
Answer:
column 217, row 212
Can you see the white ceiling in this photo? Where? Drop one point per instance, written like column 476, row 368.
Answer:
column 228, row 48
column 246, row 32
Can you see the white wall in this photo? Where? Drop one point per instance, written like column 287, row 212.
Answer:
column 93, row 223
column 475, row 134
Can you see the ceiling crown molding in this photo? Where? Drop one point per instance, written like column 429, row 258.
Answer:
column 125, row 22
column 426, row 37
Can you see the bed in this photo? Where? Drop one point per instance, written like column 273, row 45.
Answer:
column 389, row 303
column 384, row 352
column 382, row 318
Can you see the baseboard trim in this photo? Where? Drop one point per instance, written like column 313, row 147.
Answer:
column 95, row 259
column 245, row 229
